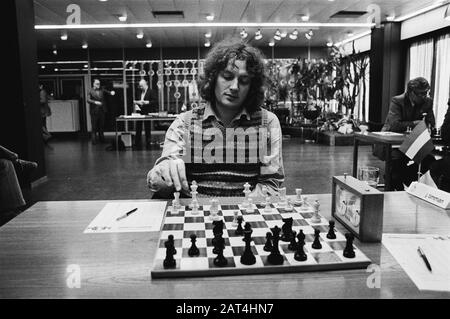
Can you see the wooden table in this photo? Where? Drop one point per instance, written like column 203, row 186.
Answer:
column 38, row 246
column 145, row 118
column 387, row 141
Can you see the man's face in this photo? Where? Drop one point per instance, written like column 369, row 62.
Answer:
column 142, row 85
column 232, row 85
column 96, row 84
column 418, row 97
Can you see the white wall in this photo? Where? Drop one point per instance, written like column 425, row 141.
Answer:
column 424, row 23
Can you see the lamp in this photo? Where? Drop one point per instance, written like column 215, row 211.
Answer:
column 258, row 35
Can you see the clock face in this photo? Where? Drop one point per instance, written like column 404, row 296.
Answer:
column 348, row 207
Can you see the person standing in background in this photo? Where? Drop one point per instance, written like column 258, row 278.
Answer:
column 97, row 109
column 148, row 103
column 45, row 112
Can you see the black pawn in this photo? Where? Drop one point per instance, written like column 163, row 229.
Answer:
column 293, row 244
column 348, row 250
column 170, row 238
column 275, row 258
column 300, row 253
column 316, row 243
column 247, row 257
column 216, row 242
column 218, row 227
column 287, row 229
column 239, row 230
column 331, row 232
column 193, row 250
column 169, row 261
column 220, row 260
column 268, row 245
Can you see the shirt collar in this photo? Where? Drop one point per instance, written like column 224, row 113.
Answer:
column 209, row 112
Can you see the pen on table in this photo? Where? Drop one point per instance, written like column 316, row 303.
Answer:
column 126, row 214
column 422, row 254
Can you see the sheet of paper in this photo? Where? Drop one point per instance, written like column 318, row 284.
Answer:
column 148, row 217
column 437, row 250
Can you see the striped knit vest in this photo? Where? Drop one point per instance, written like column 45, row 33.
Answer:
column 222, row 165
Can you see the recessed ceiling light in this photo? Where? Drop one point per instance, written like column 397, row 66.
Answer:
column 122, row 18
column 271, row 43
column 207, row 44
column 305, row 17
column 149, row 44
column 102, row 0
column 329, row 44
column 64, row 36
column 140, row 35
column 210, row 17
column 55, row 52
column 349, row 34
column 42, row 66
column 84, row 46
column 56, row 69
column 277, row 37
column 208, row 35
column 85, row 66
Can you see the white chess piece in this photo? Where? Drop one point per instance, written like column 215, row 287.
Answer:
column 316, row 217
column 289, row 207
column 176, row 202
column 194, row 203
column 282, row 202
column 247, row 192
column 249, row 207
column 234, row 223
column 267, row 209
column 214, row 209
column 265, row 194
column 298, row 200
column 305, row 205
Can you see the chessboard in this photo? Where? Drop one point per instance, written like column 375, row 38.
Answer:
column 182, row 223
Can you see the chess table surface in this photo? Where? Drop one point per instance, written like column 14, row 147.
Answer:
column 40, row 248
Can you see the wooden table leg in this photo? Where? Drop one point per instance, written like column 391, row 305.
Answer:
column 355, row 156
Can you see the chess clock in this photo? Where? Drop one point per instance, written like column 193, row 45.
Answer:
column 358, row 207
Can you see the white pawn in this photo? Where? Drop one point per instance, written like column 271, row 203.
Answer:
column 288, row 207
column 267, row 209
column 282, row 202
column 234, row 223
column 249, row 207
column 316, row 217
column 246, row 192
column 298, row 199
column 305, row 205
column 176, row 202
column 214, row 209
column 265, row 194
column 194, row 203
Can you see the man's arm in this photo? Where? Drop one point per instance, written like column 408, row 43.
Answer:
column 394, row 120
column 89, row 98
column 445, row 128
column 272, row 170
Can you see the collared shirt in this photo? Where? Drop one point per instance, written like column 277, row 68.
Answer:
column 143, row 94
column 272, row 170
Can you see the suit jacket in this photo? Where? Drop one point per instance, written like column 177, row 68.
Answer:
column 445, row 128
column 402, row 114
column 153, row 106
column 96, row 95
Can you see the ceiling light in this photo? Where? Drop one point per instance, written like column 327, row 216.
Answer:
column 102, row 0
column 271, row 44
column 283, row 34
column 278, row 32
column 258, row 35
column 447, row 13
column 122, row 18
column 207, row 44
column 329, row 44
column 208, row 35
column 85, row 66
column 277, row 37
column 55, row 52
column 149, row 44
column 350, row 34
column 64, row 36
column 309, row 34
column 358, row 36
column 140, row 35
column 390, row 18
column 305, row 17
column 56, row 69
column 293, row 35
column 42, row 66
column 84, row 46
column 210, row 17
column 243, row 34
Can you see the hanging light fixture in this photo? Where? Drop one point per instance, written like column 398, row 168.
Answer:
column 149, row 44
column 243, row 34
column 294, row 35
column 122, row 18
column 64, row 36
column 84, row 45
column 208, row 35
column 210, row 17
column 271, row 43
column 207, row 44
column 309, row 34
column 140, row 35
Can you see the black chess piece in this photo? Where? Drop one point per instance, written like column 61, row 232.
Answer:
column 268, row 244
column 169, row 261
column 316, row 243
column 218, row 227
column 170, row 238
column 293, row 244
column 275, row 258
column 220, row 260
column 216, row 242
column 247, row 257
column 287, row 229
column 239, row 230
column 300, row 253
column 331, row 232
column 348, row 250
column 193, row 250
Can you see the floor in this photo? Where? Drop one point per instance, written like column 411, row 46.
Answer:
column 78, row 170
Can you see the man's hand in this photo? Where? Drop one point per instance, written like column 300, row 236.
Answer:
column 168, row 173
column 98, row 103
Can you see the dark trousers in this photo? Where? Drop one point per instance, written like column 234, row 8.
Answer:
column 98, row 125
column 147, row 127
column 404, row 174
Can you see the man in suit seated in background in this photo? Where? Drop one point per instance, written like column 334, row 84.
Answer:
column 406, row 111
column 440, row 170
column 147, row 103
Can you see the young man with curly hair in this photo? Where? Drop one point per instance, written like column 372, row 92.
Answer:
column 230, row 139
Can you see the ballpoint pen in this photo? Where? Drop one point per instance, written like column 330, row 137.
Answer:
column 422, row 254
column 126, row 214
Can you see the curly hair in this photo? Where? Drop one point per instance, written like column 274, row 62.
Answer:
column 217, row 60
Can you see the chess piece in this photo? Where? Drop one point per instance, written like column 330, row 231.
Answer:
column 298, row 199
column 239, row 230
column 194, row 203
column 249, row 208
column 214, row 209
column 169, row 261
column 265, row 193
column 348, row 250
column 282, row 203
column 331, row 232
column 170, row 239
column 267, row 208
column 316, row 243
column 220, row 260
column 305, row 205
column 215, row 241
column 275, row 258
column 293, row 244
column 246, row 192
column 218, row 227
column 234, row 223
column 176, row 202
column 287, row 229
column 300, row 253
column 316, row 216
column 289, row 207
column 268, row 244
column 193, row 250
column 248, row 258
